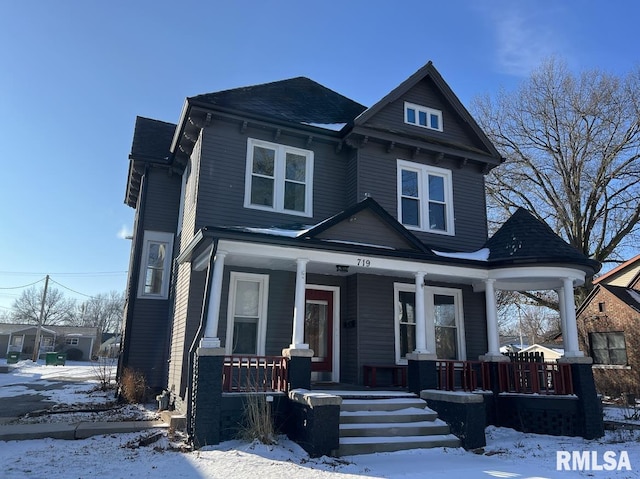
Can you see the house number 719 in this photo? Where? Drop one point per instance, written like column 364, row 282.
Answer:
column 364, row 262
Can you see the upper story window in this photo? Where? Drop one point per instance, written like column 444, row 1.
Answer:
column 425, row 198
column 279, row 178
column 156, row 265
column 422, row 116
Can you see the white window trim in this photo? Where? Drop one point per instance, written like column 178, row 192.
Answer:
column 263, row 280
column 156, row 237
column 423, row 172
column 71, row 341
column 279, row 178
column 426, row 110
column 429, row 292
column 183, row 192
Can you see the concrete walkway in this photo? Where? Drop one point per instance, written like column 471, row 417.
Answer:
column 81, row 430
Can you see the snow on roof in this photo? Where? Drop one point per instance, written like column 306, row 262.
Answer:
column 480, row 255
column 327, row 126
column 278, row 231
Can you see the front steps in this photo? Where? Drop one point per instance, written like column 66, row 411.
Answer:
column 389, row 423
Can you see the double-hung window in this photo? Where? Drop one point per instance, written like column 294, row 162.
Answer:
column 247, row 313
column 444, row 305
column 425, row 198
column 279, row 178
column 155, row 268
column 422, row 116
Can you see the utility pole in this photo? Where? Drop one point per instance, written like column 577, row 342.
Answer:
column 36, row 346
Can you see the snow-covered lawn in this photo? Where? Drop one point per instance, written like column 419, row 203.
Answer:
column 509, row 454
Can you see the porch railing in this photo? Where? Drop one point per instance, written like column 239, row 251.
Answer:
column 254, row 373
column 463, row 375
column 535, row 378
column 513, row 377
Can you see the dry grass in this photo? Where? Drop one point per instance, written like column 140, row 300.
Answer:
column 133, row 386
column 258, row 422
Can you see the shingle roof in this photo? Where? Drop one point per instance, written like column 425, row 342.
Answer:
column 298, row 100
column 525, row 239
column 626, row 295
column 152, row 138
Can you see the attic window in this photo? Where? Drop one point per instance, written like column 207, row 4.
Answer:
column 422, row 116
column 602, row 308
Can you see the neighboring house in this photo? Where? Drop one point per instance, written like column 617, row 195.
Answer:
column 21, row 338
column 608, row 322
column 547, row 352
column 286, row 219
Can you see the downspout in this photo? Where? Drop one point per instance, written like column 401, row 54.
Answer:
column 134, row 276
column 199, row 333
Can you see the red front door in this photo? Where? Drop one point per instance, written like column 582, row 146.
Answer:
column 318, row 328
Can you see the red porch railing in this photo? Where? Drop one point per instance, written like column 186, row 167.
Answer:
column 535, row 378
column 463, row 375
column 254, row 373
column 513, row 377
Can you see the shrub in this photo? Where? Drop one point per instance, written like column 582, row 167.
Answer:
column 133, row 386
column 104, row 369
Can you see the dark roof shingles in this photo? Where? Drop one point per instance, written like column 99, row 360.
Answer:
column 298, row 100
column 524, row 238
column 152, row 138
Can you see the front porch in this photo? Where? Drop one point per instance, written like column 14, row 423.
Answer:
column 548, row 398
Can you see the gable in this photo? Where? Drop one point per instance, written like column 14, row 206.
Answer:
column 461, row 135
column 425, row 93
column 626, row 275
column 365, row 227
column 367, row 223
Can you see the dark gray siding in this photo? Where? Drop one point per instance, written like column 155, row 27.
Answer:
column 376, row 335
column 475, row 324
column 377, row 174
column 150, row 318
column 367, row 227
column 222, row 179
column 391, row 117
column 349, row 333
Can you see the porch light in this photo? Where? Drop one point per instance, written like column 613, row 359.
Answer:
column 342, row 268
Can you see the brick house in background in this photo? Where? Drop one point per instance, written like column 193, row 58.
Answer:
column 285, row 223
column 608, row 326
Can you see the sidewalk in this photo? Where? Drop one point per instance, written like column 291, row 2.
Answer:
column 81, row 430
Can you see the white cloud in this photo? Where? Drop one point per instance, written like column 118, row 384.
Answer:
column 524, row 37
column 125, row 232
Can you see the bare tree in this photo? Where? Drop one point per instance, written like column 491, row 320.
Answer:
column 57, row 308
column 572, row 149
column 103, row 311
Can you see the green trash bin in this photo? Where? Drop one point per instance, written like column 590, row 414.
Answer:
column 61, row 358
column 51, row 359
column 13, row 357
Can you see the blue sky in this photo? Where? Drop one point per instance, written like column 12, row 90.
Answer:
column 74, row 75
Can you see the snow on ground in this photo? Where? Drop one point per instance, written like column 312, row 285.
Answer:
column 509, row 454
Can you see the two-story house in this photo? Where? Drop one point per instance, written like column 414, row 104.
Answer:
column 286, row 219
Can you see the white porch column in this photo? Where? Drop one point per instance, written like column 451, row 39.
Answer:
column 493, row 338
column 210, row 339
column 421, row 327
column 563, row 317
column 570, row 331
column 297, row 341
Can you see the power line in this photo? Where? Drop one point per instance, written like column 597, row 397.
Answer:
column 86, row 273
column 25, row 286
column 72, row 290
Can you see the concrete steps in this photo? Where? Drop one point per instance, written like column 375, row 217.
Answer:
column 387, row 424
